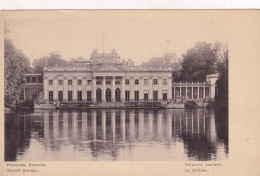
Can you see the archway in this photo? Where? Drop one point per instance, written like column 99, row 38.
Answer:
column 117, row 94
column 108, row 95
column 98, row 95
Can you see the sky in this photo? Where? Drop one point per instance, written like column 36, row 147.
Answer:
column 139, row 35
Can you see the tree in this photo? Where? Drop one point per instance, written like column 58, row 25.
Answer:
column 221, row 99
column 16, row 65
column 199, row 61
column 54, row 59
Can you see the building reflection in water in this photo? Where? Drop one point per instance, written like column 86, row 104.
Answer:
column 116, row 135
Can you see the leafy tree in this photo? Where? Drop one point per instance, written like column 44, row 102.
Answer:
column 16, row 64
column 53, row 59
column 199, row 61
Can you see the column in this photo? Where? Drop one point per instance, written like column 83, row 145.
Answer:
column 150, row 96
column 160, row 88
column 65, row 90
column 204, row 92
column 45, row 89
column 113, row 97
column 212, row 91
column 174, row 94
column 141, row 91
column 169, row 92
column 25, row 95
column 55, row 92
column 75, row 93
column 123, row 89
column 104, row 89
column 132, row 92
column 94, row 90
column 180, row 92
column 198, row 92
column 191, row 92
column 186, row 91
column 84, row 91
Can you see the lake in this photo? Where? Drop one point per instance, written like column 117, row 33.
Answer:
column 116, row 135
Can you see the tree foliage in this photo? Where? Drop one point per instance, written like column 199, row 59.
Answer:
column 15, row 65
column 54, row 59
column 199, row 61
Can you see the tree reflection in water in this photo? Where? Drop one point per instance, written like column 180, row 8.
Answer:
column 117, row 135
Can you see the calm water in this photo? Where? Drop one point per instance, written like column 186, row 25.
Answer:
column 148, row 135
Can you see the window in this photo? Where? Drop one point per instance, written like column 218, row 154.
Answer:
column 155, row 95
column 164, row 94
column 60, row 81
column 108, row 81
column 98, row 82
column 88, row 95
column 145, row 94
column 127, row 95
column 145, row 81
column 50, row 95
column 127, row 81
column 79, row 95
column 60, row 95
column 69, row 95
column 136, row 82
column 155, row 81
column 70, row 82
column 136, row 95
column 164, row 81
column 50, row 82
column 39, row 79
column 118, row 81
column 28, row 80
column 79, row 82
column 89, row 82
column 33, row 79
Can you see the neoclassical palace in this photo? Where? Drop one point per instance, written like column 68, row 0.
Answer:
column 105, row 77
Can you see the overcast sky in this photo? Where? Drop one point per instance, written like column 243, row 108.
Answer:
column 138, row 35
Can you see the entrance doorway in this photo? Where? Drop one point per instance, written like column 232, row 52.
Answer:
column 108, row 95
column 98, row 95
column 117, row 93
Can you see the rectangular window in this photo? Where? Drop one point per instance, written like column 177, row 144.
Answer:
column 127, row 95
column 50, row 82
column 88, row 95
column 127, row 81
column 28, row 80
column 33, row 79
column 40, row 79
column 155, row 95
column 50, row 95
column 155, row 81
column 70, row 82
column 79, row 82
column 79, row 95
column 136, row 82
column 164, row 94
column 145, row 81
column 60, row 95
column 60, row 81
column 145, row 94
column 89, row 82
column 164, row 81
column 69, row 95
column 136, row 95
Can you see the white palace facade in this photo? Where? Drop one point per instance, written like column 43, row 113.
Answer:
column 107, row 78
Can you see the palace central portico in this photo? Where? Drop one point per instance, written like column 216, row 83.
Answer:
column 107, row 78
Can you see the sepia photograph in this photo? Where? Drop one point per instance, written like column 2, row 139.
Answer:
column 114, row 86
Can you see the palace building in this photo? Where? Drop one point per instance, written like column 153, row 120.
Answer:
column 105, row 77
